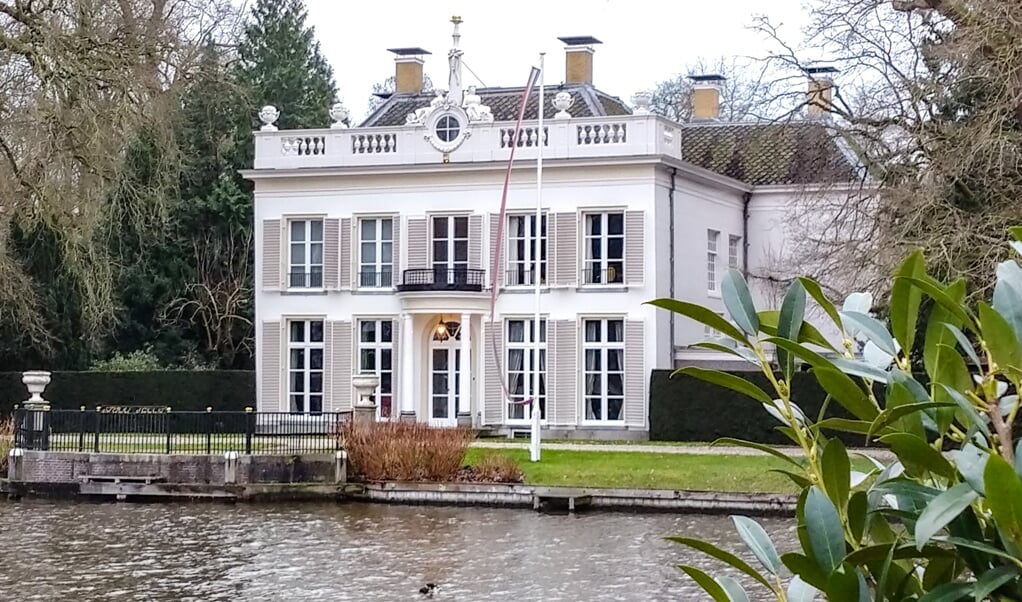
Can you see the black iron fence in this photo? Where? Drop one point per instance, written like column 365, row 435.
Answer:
column 610, row 275
column 160, row 430
column 384, row 279
column 524, row 277
column 305, row 279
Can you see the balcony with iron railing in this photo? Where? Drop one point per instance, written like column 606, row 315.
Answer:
column 442, row 279
column 621, row 135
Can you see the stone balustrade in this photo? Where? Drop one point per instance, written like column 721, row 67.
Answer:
column 620, row 136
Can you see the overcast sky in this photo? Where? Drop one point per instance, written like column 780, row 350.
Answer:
column 644, row 41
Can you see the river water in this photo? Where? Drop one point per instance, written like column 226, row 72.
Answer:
column 360, row 552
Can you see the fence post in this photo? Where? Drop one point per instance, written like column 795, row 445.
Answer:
column 81, row 429
column 168, row 418
column 249, row 429
column 96, row 442
column 209, row 430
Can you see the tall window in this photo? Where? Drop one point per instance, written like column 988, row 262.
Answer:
column 375, row 354
column 305, row 366
column 522, row 250
column 712, row 237
column 376, row 252
column 734, row 252
column 604, row 248
column 450, row 248
column 604, row 356
column 521, row 357
column 305, row 256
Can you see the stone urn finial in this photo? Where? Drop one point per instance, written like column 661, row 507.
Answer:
column 339, row 113
column 269, row 115
column 562, row 102
column 642, row 100
column 36, row 381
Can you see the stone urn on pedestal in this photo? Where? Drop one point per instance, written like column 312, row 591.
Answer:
column 35, row 421
column 364, row 410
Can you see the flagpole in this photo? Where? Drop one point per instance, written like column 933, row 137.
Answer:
column 536, row 255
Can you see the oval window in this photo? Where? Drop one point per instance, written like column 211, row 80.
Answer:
column 447, row 128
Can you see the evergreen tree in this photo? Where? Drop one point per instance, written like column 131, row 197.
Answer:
column 281, row 65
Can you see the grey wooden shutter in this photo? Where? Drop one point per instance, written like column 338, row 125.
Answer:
column 395, row 254
column 566, row 249
column 395, row 369
column 271, row 368
column 331, row 259
column 563, row 349
column 345, row 245
column 340, row 365
column 328, row 373
column 494, row 226
column 273, row 235
column 418, row 245
column 635, row 260
column 493, row 405
column 475, row 242
column 635, row 373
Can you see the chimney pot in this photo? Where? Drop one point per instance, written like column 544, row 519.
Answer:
column 820, row 95
column 408, row 69
column 578, row 59
column 706, row 96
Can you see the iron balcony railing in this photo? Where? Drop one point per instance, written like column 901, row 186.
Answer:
column 160, row 430
column 610, row 275
column 305, row 279
column 524, row 277
column 384, row 279
column 442, row 279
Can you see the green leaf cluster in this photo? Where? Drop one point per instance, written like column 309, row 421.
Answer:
column 943, row 520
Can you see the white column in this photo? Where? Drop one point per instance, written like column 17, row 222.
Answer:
column 465, row 376
column 408, row 384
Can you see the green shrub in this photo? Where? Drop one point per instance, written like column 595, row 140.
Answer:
column 928, row 526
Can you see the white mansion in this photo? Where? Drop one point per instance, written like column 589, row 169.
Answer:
column 375, row 245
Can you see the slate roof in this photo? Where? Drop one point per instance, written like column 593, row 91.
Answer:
column 503, row 102
column 793, row 152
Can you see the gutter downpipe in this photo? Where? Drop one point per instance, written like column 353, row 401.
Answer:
column 670, row 211
column 746, row 197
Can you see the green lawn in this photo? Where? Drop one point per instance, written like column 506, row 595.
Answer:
column 649, row 470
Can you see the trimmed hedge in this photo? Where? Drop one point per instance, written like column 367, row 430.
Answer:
column 184, row 390
column 685, row 408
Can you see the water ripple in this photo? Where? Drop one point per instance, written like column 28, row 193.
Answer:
column 347, row 552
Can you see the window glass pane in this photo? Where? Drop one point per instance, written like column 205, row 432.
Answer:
column 316, row 382
column 316, row 253
column 615, row 383
column 594, row 224
column 297, row 254
column 386, row 383
column 615, row 223
column 386, row 229
column 386, row 331
column 367, row 360
column 368, row 229
column 316, row 331
column 297, row 231
column 316, row 359
column 614, row 409
column 316, row 403
column 542, row 331
column 615, row 331
column 594, row 360
column 297, row 361
column 297, row 382
column 316, row 230
column 461, row 227
column 615, row 248
column 439, row 227
column 367, row 331
column 369, row 252
column 297, row 332
column 593, row 409
column 516, row 331
column 461, row 251
column 440, row 251
column 593, row 331
column 385, row 359
column 386, row 252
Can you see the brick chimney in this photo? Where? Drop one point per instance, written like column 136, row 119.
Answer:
column 706, row 96
column 820, row 94
column 578, row 59
column 408, row 69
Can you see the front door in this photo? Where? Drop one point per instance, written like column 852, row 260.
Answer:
column 444, row 382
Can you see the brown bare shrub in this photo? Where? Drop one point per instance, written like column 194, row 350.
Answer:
column 495, row 467
column 6, row 442
column 403, row 451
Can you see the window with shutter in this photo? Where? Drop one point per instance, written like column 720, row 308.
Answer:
column 270, row 370
column 271, row 255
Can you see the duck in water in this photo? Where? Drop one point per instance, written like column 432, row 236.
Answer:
column 428, row 589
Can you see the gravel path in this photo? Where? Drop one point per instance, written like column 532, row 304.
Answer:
column 697, row 450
